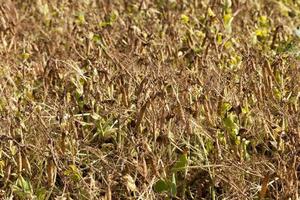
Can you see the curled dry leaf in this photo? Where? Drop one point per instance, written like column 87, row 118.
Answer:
column 130, row 183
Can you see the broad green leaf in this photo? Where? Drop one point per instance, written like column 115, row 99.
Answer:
column 230, row 124
column 73, row 172
column 22, row 186
column 41, row 193
column 166, row 186
column 181, row 163
column 185, row 19
column 161, row 186
column 225, row 107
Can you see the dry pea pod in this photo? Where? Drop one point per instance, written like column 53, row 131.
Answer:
column 145, row 168
column 19, row 162
column 51, row 172
column 7, row 173
column 141, row 114
column 25, row 163
column 63, row 142
column 108, row 193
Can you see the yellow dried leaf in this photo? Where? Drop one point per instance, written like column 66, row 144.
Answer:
column 130, row 183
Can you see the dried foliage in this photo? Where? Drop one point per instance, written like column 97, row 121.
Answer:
column 149, row 99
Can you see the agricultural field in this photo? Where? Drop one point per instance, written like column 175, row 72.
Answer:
column 150, row 99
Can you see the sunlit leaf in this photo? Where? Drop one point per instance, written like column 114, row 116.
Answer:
column 73, row 172
column 25, row 56
column 80, row 18
column 224, row 108
column 230, row 124
column 211, row 13
column 185, row 19
column 263, row 21
column 181, row 163
column 262, row 32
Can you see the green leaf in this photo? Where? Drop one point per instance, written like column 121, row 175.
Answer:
column 25, row 56
column 113, row 17
column 104, row 24
column 262, row 32
column 181, row 163
column 230, row 124
column 41, row 193
column 80, row 19
column 228, row 19
column 219, row 39
column 166, row 186
column 73, row 172
column 173, row 187
column 224, row 108
column 24, row 184
column 263, row 21
column 185, row 19
column 96, row 38
column 22, row 188
column 161, row 186
column 210, row 13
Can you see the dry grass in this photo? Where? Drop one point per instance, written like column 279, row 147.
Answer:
column 149, row 99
